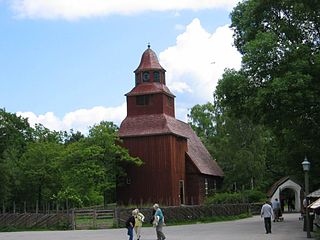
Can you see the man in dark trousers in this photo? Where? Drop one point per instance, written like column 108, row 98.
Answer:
column 267, row 214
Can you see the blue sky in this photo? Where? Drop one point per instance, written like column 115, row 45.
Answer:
column 67, row 64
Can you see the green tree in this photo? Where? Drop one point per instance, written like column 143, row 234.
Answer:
column 37, row 164
column 40, row 171
column 202, row 118
column 15, row 133
column 93, row 164
column 83, row 173
column 115, row 157
column 237, row 144
column 278, row 85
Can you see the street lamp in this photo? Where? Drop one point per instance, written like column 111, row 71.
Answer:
column 306, row 169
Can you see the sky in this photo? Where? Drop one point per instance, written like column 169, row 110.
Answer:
column 68, row 63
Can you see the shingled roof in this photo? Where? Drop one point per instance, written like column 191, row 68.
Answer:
column 149, row 60
column 159, row 124
column 278, row 183
column 275, row 186
column 149, row 88
column 315, row 194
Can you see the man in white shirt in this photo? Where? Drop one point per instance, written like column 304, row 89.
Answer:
column 267, row 214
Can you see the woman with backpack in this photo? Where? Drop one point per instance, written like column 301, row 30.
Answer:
column 130, row 225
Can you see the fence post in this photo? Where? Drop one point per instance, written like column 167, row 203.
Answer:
column 116, row 217
column 73, row 220
column 37, row 207
column 14, row 207
column 67, row 205
column 25, row 206
column 3, row 207
column 94, row 222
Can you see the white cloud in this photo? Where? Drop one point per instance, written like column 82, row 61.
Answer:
column 180, row 27
column 197, row 61
column 78, row 120
column 74, row 9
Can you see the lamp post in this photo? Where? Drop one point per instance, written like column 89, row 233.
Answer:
column 306, row 169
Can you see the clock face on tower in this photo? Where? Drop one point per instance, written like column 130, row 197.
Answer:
column 146, row 76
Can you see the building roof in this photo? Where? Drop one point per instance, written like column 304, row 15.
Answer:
column 315, row 194
column 275, row 186
column 278, row 183
column 315, row 204
column 199, row 154
column 150, row 88
column 149, row 60
column 160, row 124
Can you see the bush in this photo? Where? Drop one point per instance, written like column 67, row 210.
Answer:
column 254, row 196
column 248, row 196
column 220, row 198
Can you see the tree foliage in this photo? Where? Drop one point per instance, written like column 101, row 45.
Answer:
column 40, row 165
column 273, row 101
column 278, row 85
column 15, row 133
column 238, row 145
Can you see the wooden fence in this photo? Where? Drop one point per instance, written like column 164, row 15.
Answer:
column 33, row 220
column 98, row 219
column 93, row 219
column 182, row 213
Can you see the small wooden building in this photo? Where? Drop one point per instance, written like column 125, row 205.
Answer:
column 286, row 183
column 177, row 168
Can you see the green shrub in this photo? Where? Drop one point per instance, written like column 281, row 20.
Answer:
column 254, row 196
column 248, row 196
column 220, row 198
column 317, row 233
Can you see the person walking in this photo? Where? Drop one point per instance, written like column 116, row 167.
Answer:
column 139, row 219
column 267, row 214
column 159, row 222
column 276, row 209
column 130, row 223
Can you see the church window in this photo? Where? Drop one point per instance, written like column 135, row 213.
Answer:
column 156, row 76
column 142, row 100
column 146, row 76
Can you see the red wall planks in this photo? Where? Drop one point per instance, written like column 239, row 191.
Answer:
column 158, row 179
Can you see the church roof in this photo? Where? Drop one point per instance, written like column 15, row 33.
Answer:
column 149, row 60
column 149, row 88
column 200, row 156
column 160, row 124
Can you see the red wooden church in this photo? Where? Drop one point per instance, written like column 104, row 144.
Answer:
column 177, row 168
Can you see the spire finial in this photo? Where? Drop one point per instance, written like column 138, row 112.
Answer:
column 148, row 44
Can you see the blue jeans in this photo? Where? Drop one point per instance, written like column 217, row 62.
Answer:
column 130, row 233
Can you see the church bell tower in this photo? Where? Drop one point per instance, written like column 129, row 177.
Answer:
column 150, row 94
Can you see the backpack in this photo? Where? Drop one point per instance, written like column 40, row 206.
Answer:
column 128, row 223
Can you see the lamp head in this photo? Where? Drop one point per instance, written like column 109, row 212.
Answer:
column 306, row 165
